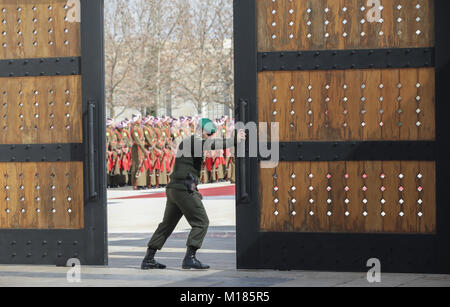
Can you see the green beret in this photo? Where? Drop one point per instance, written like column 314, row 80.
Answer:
column 207, row 126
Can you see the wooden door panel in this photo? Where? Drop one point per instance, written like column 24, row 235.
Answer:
column 41, row 110
column 350, row 105
column 39, row 29
column 343, row 24
column 41, row 195
column 349, row 197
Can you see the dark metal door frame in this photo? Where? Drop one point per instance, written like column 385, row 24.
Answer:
column 338, row 252
column 89, row 245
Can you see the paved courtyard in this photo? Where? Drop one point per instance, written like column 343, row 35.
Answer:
column 132, row 216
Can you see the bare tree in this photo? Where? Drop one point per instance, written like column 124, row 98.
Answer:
column 159, row 24
column 163, row 52
column 119, row 53
column 223, row 70
column 208, row 64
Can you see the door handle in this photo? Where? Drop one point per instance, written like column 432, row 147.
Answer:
column 91, row 149
column 244, row 196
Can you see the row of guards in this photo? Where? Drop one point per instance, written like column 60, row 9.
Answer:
column 141, row 152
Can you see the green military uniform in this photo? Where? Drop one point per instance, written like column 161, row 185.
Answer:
column 138, row 171
column 181, row 201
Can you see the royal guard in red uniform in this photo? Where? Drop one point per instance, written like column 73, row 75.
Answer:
column 204, row 176
column 166, row 148
column 126, row 153
column 215, row 166
column 111, row 154
column 163, row 174
column 160, row 138
column 150, row 142
column 231, row 166
column 176, row 134
column 221, row 162
column 138, row 155
column 224, row 153
column 117, row 179
column 156, row 153
column 167, row 160
column 209, row 161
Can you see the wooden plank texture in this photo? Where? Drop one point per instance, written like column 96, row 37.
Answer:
column 292, row 25
column 41, row 110
column 350, row 105
column 39, row 29
column 390, row 188
column 41, row 195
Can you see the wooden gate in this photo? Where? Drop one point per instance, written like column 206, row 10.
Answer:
column 358, row 87
column 52, row 185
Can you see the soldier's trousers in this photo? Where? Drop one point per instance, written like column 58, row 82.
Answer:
column 181, row 203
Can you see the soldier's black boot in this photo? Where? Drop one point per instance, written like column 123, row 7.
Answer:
column 149, row 262
column 191, row 262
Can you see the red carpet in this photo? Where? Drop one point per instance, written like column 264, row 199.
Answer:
column 229, row 190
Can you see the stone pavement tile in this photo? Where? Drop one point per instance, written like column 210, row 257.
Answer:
column 94, row 276
column 144, row 215
column 387, row 280
column 7, row 281
column 429, row 281
column 58, row 282
column 230, row 279
column 319, row 279
column 14, row 276
column 116, row 283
